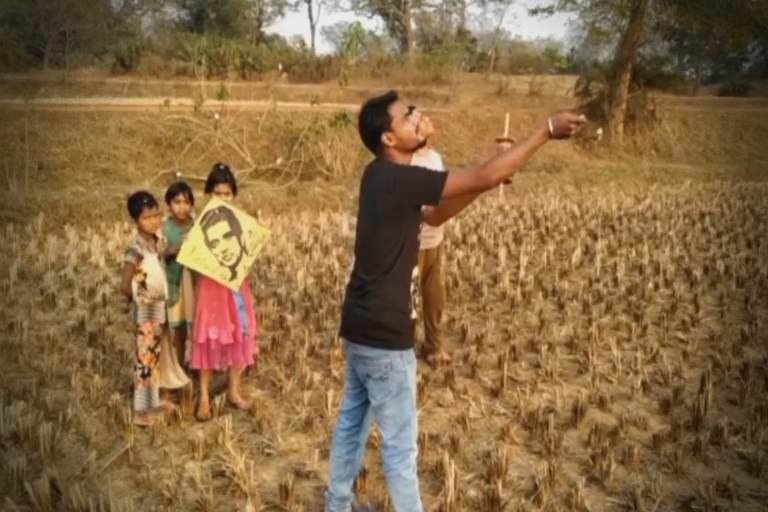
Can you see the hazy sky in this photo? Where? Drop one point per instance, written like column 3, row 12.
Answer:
column 517, row 22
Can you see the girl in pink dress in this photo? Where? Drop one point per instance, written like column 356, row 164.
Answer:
column 224, row 329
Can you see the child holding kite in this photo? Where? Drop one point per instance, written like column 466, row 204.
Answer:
column 224, row 327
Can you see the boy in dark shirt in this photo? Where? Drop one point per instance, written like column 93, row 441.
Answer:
column 375, row 323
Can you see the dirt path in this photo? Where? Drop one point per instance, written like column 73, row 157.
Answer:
column 165, row 104
column 711, row 103
column 175, row 104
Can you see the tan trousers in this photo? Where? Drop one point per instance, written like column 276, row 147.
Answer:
column 432, row 286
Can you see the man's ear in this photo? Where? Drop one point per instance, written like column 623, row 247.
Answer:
column 388, row 139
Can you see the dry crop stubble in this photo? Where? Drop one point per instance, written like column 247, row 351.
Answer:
column 596, row 333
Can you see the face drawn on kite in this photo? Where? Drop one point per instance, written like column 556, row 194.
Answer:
column 223, row 244
column 223, row 236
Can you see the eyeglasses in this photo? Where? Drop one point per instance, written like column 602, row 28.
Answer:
column 407, row 117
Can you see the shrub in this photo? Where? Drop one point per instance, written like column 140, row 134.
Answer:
column 12, row 53
column 736, row 88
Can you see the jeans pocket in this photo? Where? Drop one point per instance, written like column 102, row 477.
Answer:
column 376, row 370
column 392, row 394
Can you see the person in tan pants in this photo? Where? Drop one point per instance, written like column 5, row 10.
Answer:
column 430, row 269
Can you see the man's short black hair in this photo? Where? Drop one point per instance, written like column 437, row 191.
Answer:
column 220, row 173
column 374, row 120
column 178, row 188
column 139, row 201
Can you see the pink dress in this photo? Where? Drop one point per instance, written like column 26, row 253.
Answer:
column 219, row 338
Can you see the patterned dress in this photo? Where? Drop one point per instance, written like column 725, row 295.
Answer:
column 155, row 364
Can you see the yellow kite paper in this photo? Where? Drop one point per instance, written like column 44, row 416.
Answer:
column 223, row 243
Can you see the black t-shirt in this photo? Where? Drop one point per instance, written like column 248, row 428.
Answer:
column 376, row 310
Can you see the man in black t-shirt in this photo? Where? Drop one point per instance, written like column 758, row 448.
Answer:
column 375, row 322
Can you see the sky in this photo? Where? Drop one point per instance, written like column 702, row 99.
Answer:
column 517, row 22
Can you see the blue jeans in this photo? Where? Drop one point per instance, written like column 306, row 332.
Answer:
column 381, row 385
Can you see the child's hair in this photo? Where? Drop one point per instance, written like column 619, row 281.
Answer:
column 140, row 200
column 178, row 188
column 220, row 173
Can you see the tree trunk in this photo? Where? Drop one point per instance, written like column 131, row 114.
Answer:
column 47, row 50
column 258, row 30
column 408, row 30
column 495, row 47
column 623, row 63
column 462, row 14
column 66, row 56
column 312, row 29
column 492, row 63
column 313, row 19
column 257, row 36
column 699, row 73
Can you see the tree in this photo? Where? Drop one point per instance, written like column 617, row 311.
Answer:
column 493, row 14
column 710, row 43
column 130, row 17
column 622, row 68
column 694, row 29
column 50, row 30
column 397, row 16
column 230, row 18
column 314, row 10
column 263, row 13
column 224, row 18
column 619, row 20
column 351, row 41
column 553, row 53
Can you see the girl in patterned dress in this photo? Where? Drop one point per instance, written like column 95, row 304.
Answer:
column 144, row 282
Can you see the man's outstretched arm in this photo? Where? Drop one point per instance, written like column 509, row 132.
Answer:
column 485, row 176
column 462, row 186
column 450, row 206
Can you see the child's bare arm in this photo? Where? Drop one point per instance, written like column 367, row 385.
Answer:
column 125, row 283
column 171, row 251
